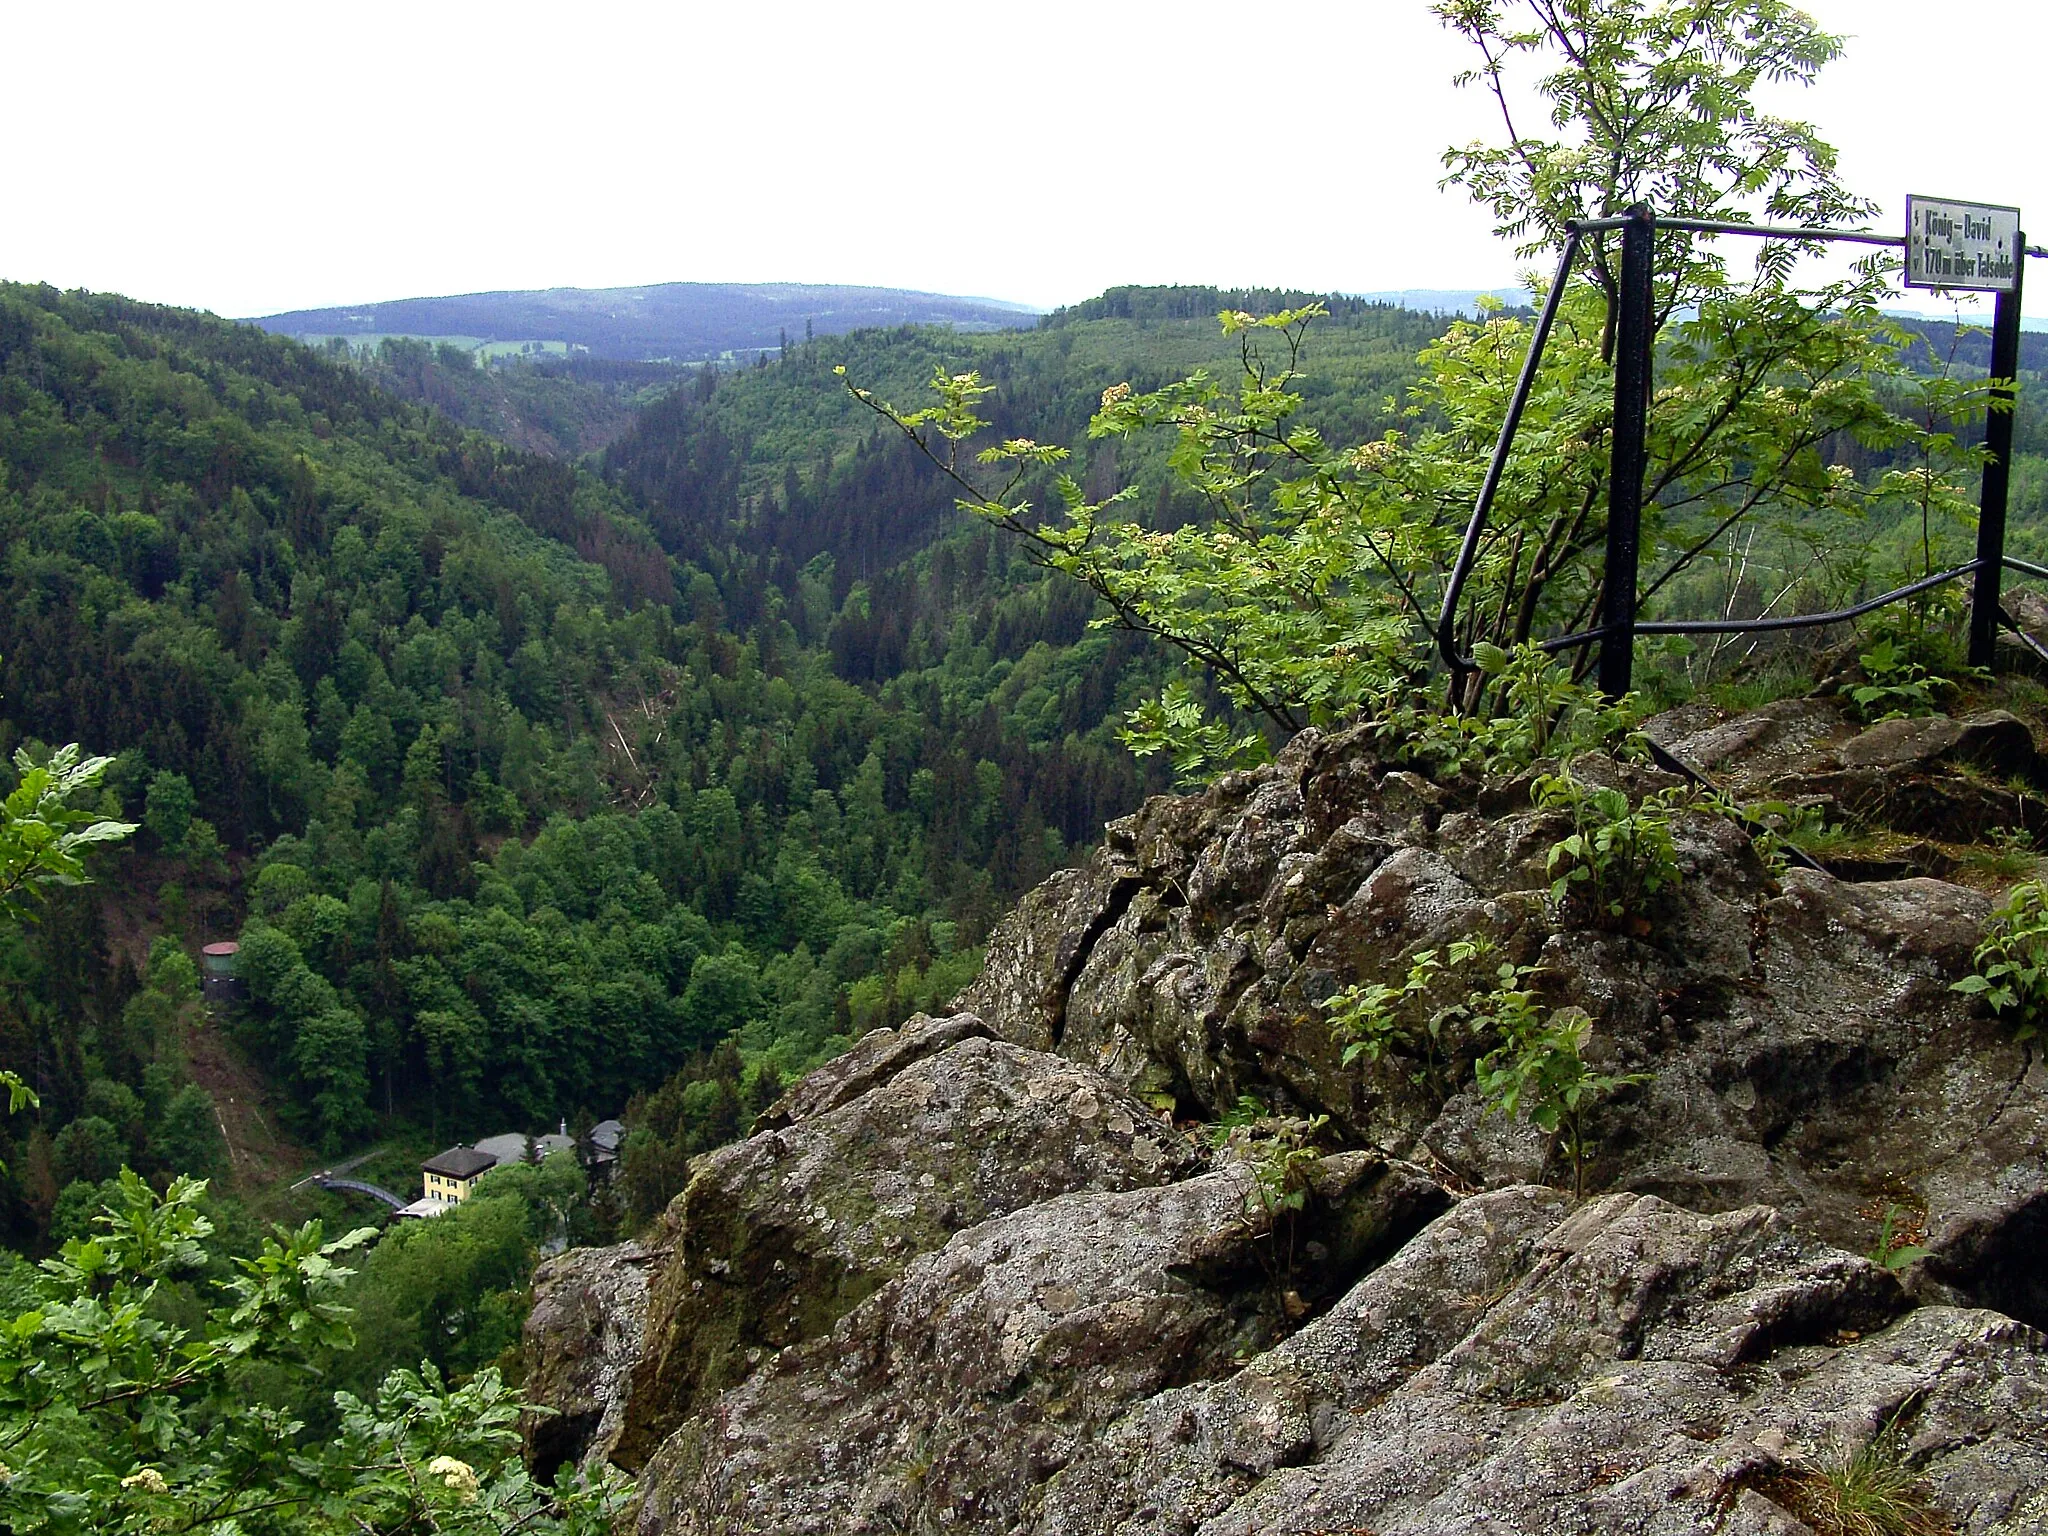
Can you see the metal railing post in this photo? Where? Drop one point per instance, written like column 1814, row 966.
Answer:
column 1632, row 345
column 1475, row 528
column 2005, row 364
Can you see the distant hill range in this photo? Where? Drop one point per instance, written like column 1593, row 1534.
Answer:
column 678, row 322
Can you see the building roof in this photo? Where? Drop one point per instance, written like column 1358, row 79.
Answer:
column 459, row 1163
column 606, row 1135
column 547, row 1146
column 508, row 1148
column 424, row 1207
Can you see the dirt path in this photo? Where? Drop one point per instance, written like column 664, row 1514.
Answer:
column 259, row 1153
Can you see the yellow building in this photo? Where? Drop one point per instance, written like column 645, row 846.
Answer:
column 451, row 1175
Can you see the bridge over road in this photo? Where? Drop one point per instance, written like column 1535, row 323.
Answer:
column 375, row 1191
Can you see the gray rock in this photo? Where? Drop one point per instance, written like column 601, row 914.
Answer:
column 954, row 1392
column 874, row 1058
column 779, row 1236
column 1805, row 1049
column 952, row 1395
column 1929, row 777
column 582, row 1338
column 1995, row 741
column 1074, row 1370
column 1187, row 1454
column 1658, row 1371
column 1037, row 950
column 1747, row 751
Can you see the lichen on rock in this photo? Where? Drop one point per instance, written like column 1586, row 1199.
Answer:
column 583, row 1337
column 777, row 1237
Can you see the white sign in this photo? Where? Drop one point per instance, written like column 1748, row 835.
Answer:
column 1961, row 245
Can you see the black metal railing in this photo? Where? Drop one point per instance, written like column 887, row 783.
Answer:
column 1633, row 372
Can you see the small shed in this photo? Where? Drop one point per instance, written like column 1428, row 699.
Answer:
column 217, row 979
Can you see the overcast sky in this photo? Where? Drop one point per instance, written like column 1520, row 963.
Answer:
column 250, row 158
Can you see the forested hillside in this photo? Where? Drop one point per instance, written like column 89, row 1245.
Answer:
column 541, row 784
column 786, row 464
column 561, row 407
column 514, row 813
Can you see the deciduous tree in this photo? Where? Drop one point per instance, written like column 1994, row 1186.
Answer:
column 1311, row 588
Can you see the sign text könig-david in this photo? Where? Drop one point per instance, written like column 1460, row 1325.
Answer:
column 1961, row 245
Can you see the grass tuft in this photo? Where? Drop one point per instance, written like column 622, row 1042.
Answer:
column 1869, row 1491
column 2006, row 855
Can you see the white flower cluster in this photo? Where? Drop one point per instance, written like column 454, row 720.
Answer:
column 457, row 1475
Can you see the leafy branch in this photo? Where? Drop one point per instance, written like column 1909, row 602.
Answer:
column 43, row 833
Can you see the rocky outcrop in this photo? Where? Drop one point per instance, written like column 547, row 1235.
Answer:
column 779, row 1236
column 1628, row 1367
column 1184, row 1455
column 954, row 1393
column 1638, row 1369
column 1803, row 1047
column 1921, row 787
column 971, row 1276
column 583, row 1338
